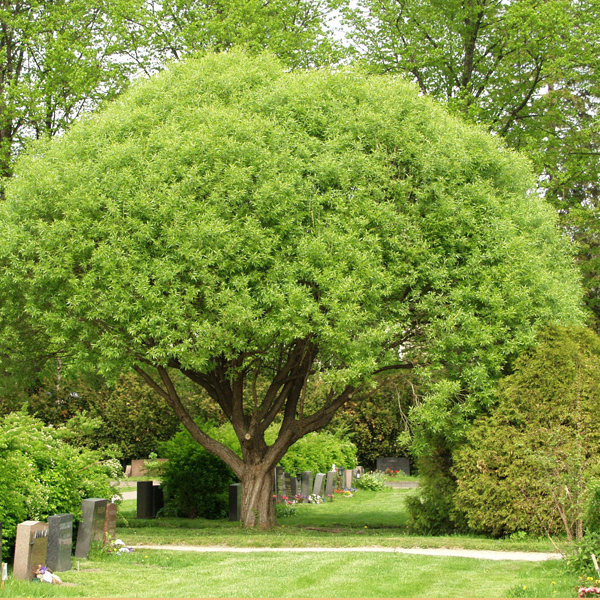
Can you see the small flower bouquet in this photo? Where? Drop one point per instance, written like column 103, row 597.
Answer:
column 315, row 499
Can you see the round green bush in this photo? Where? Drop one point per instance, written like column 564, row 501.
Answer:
column 371, row 481
column 318, row 451
column 196, row 482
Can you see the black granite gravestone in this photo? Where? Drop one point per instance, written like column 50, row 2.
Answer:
column 393, row 463
column 60, row 542
column 279, row 486
column 145, row 500
column 158, row 499
column 287, row 486
column 235, row 501
column 91, row 528
column 294, row 487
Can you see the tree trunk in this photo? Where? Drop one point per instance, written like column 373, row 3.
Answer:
column 258, row 506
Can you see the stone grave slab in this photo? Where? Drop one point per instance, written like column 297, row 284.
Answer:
column 306, row 483
column 60, row 542
column 330, row 483
column 279, row 489
column 294, row 487
column 347, row 480
column 235, row 502
column 393, row 463
column 319, row 483
column 145, row 500
column 91, row 528
column 110, row 521
column 287, row 486
column 27, row 550
column 158, row 499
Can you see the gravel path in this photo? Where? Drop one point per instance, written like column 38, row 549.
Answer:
column 481, row 554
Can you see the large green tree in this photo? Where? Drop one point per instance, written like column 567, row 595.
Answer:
column 241, row 223
column 526, row 69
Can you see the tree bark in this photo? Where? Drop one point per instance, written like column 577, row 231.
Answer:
column 258, row 506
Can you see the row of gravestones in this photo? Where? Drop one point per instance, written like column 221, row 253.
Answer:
column 50, row 544
column 300, row 485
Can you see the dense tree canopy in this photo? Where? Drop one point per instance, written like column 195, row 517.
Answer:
column 241, row 223
column 526, row 69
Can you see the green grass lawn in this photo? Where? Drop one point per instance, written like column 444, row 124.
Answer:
column 367, row 519
column 147, row 573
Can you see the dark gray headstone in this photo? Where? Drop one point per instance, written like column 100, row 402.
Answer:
column 307, row 483
column 287, row 486
column 319, row 482
column 145, row 500
column 158, row 499
column 235, row 502
column 393, row 463
column 330, row 483
column 294, row 487
column 279, row 489
column 91, row 528
column 60, row 542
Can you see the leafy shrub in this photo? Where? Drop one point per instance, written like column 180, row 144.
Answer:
column 371, row 481
column 526, row 466
column 318, row 451
column 431, row 509
column 579, row 559
column 42, row 475
column 196, row 483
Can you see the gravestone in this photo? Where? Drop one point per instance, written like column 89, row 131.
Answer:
column 145, row 500
column 347, row 481
column 91, row 528
column 306, row 483
column 27, row 550
column 110, row 522
column 158, row 499
column 340, row 478
column 235, row 502
column 330, row 483
column 60, row 542
column 128, row 471
column 294, row 487
column 287, row 481
column 393, row 463
column 279, row 488
column 319, row 481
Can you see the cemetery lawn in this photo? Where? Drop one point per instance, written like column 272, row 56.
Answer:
column 148, row 573
column 366, row 519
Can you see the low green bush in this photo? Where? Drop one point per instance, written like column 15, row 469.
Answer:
column 195, row 482
column 318, row 451
column 372, row 481
column 41, row 474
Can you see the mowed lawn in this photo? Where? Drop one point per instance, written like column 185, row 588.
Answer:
column 367, row 519
column 151, row 573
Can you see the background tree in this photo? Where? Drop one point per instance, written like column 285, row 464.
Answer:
column 525, row 69
column 234, row 222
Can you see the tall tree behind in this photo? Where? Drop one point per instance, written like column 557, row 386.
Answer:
column 526, row 69
column 58, row 58
column 296, row 31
